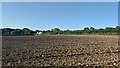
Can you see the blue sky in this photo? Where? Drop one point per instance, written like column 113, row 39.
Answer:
column 63, row 15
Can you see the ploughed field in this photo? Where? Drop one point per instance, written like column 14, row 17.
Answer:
column 74, row 50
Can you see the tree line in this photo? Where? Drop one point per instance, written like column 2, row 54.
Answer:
column 17, row 32
column 57, row 31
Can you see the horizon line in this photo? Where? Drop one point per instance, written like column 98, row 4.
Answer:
column 58, row 27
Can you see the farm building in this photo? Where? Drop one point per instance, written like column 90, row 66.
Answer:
column 38, row 33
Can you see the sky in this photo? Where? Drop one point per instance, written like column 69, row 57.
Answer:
column 63, row 15
column 60, row 0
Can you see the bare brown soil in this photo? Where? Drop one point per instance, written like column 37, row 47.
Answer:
column 58, row 50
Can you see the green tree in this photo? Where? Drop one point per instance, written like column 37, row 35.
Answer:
column 26, row 31
column 7, row 31
column 56, row 31
column 86, row 28
column 91, row 28
column 17, row 32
